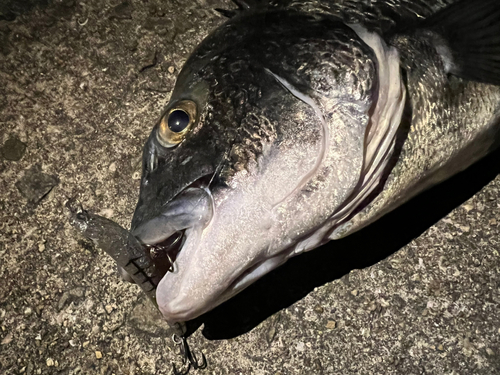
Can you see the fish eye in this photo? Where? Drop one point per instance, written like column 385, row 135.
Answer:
column 176, row 123
column 178, row 120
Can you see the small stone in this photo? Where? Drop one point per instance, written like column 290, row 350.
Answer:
column 28, row 311
column 331, row 324
column 36, row 185
column 29, row 368
column 271, row 334
column 465, row 228
column 107, row 212
column 440, row 347
column 148, row 60
column 13, row 149
column 109, row 309
column 489, row 351
column 171, row 69
column 493, row 222
column 7, row 339
column 355, row 292
column 85, row 344
column 112, row 167
column 122, row 11
column 50, row 362
column 98, row 354
column 467, row 207
column 41, row 247
column 319, row 309
column 62, row 301
column 77, row 292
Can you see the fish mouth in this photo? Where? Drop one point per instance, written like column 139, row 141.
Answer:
column 164, row 253
column 163, row 237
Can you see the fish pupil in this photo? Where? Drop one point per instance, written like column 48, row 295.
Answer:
column 178, row 120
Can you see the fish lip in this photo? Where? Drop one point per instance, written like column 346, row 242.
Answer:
column 164, row 248
column 203, row 183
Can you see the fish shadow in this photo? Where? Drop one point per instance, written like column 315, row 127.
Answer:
column 300, row 275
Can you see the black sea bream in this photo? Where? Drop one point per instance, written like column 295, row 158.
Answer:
column 300, row 122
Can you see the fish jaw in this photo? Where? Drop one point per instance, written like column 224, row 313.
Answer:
column 212, row 260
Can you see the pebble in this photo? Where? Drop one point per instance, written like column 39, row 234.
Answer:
column 355, row 292
column 62, row 301
column 440, row 347
column 7, row 339
column 98, row 354
column 107, row 212
column 35, row 185
column 13, row 149
column 85, row 344
column 171, row 69
column 41, row 247
column 319, row 309
column 489, row 351
column 109, row 309
column 300, row 346
column 50, row 362
column 28, row 311
column 331, row 324
column 271, row 334
column 468, row 207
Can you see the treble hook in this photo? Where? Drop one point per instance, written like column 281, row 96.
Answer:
column 187, row 356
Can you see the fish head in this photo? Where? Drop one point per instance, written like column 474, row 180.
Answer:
column 263, row 139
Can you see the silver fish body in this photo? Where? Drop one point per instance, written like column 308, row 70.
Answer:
column 296, row 123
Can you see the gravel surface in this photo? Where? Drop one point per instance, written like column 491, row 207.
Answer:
column 81, row 85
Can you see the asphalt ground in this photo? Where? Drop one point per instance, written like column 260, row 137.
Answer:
column 81, row 85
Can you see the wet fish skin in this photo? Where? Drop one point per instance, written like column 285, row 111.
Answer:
column 454, row 123
column 247, row 117
column 314, row 119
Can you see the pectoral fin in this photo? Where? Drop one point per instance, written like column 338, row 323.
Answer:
column 469, row 39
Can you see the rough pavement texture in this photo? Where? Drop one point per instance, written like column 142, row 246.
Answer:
column 81, row 84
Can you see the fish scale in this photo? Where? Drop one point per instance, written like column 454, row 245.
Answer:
column 449, row 114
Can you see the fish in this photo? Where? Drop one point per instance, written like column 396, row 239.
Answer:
column 297, row 123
